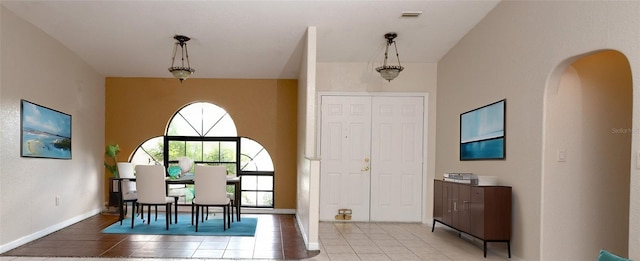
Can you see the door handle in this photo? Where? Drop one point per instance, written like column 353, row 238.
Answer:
column 366, row 168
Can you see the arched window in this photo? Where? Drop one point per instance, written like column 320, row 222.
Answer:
column 149, row 152
column 257, row 171
column 206, row 133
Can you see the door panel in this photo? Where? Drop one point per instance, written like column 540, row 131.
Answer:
column 345, row 144
column 397, row 157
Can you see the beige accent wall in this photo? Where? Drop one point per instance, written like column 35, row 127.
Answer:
column 515, row 53
column 588, row 117
column 37, row 68
column 137, row 109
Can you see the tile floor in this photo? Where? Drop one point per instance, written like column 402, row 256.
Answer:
column 277, row 238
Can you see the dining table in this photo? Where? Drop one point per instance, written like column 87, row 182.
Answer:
column 187, row 179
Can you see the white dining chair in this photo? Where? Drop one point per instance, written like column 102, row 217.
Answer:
column 127, row 190
column 210, row 184
column 151, row 187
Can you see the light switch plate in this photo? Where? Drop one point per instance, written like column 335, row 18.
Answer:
column 561, row 156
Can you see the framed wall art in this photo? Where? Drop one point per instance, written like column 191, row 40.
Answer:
column 46, row 133
column 482, row 132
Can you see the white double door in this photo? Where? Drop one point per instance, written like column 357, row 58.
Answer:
column 371, row 151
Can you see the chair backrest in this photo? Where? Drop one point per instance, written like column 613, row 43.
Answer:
column 125, row 170
column 150, row 184
column 210, row 184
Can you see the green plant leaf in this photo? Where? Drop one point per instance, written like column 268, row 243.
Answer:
column 112, row 150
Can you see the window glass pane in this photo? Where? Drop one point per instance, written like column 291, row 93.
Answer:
column 193, row 115
column 264, row 199
column 149, row 153
column 180, row 127
column 228, row 151
column 265, row 183
column 249, row 198
column 231, row 189
column 217, row 122
column 194, row 150
column 225, row 127
column 211, row 151
column 177, row 149
column 246, row 164
column 249, row 182
column 254, row 156
column 231, row 169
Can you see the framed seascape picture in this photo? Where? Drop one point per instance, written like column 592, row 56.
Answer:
column 482, row 132
column 46, row 133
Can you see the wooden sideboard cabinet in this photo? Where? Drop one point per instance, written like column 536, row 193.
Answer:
column 483, row 212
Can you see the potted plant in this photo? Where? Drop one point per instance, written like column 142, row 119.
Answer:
column 111, row 152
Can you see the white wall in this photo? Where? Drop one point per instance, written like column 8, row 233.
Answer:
column 511, row 54
column 588, row 116
column 308, row 167
column 39, row 69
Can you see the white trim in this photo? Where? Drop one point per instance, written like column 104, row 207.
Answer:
column 245, row 210
column 267, row 211
column 46, row 231
column 305, row 237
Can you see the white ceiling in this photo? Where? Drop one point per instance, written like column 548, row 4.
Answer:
column 248, row 39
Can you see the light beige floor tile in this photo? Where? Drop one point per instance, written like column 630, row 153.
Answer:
column 344, row 257
column 367, row 249
column 364, row 241
column 402, row 256
column 373, row 257
column 344, row 249
column 333, row 241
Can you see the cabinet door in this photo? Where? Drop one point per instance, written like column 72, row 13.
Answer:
column 476, row 210
column 447, row 210
column 438, row 206
column 455, row 206
column 464, row 194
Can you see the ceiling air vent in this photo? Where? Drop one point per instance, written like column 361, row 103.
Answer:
column 411, row 14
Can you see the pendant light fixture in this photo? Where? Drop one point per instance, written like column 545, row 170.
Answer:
column 390, row 72
column 181, row 72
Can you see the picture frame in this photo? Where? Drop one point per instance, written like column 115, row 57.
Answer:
column 45, row 132
column 482, row 132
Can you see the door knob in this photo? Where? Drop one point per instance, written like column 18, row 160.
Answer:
column 366, row 168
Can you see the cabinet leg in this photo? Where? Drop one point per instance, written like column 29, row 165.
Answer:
column 509, row 248
column 485, row 249
column 433, row 226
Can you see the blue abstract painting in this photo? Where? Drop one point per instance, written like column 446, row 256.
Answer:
column 46, row 133
column 482, row 132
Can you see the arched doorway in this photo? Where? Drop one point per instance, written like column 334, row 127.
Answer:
column 586, row 163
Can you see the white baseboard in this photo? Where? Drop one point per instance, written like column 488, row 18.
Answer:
column 249, row 210
column 305, row 237
column 38, row 234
